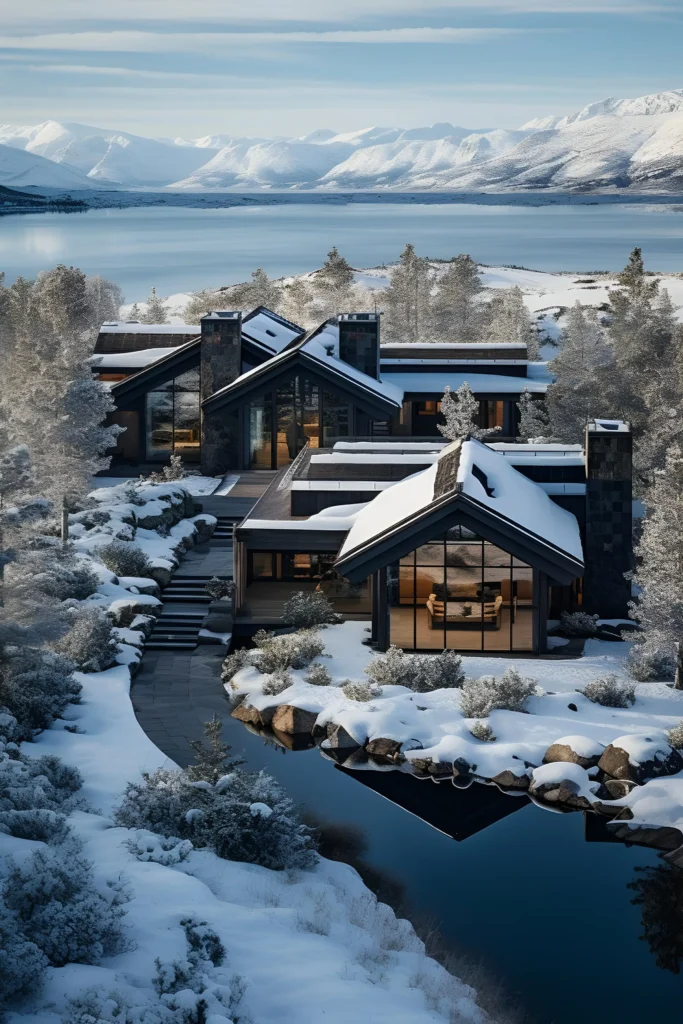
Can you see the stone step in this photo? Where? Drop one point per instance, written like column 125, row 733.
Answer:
column 170, row 645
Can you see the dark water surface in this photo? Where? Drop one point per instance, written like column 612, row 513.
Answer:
column 545, row 911
column 183, row 249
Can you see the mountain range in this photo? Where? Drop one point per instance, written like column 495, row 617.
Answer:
column 634, row 144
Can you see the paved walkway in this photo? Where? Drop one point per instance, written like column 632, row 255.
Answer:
column 175, row 692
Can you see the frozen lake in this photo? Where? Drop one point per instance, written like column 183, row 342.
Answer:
column 181, row 248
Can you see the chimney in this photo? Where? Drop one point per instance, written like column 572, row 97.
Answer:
column 359, row 341
column 221, row 364
column 609, row 494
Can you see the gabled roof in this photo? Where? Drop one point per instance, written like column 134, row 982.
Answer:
column 315, row 355
column 472, row 485
column 179, row 360
column 269, row 332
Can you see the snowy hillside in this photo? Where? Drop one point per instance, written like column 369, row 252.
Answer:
column 19, row 169
column 611, row 144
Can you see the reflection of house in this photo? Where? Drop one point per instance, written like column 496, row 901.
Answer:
column 467, row 546
column 249, row 393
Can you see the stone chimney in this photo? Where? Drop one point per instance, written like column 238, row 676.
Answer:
column 359, row 341
column 221, row 364
column 608, row 550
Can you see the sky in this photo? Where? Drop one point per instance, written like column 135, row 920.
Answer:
column 188, row 68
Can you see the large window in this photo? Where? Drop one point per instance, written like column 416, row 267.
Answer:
column 173, row 420
column 282, row 422
column 272, row 577
column 461, row 592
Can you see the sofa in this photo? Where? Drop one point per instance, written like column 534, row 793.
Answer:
column 449, row 615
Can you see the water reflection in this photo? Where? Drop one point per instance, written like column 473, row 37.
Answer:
column 659, row 894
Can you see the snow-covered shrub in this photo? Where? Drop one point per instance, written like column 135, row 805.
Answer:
column 318, row 675
column 360, row 691
column 240, row 815
column 174, row 471
column 28, row 783
column 22, row 964
column 38, row 824
column 293, row 650
column 482, row 731
column 277, row 682
column 54, row 572
column 36, row 686
column 53, row 896
column 509, row 692
column 648, row 663
column 90, row 643
column 124, row 558
column 419, row 672
column 145, row 846
column 675, row 736
column 307, row 609
column 218, row 589
column 234, row 662
column 579, row 624
column 203, row 942
column 611, row 692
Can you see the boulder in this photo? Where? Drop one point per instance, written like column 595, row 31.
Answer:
column 161, row 575
column 563, row 784
column 293, row 721
column 462, row 768
column 637, row 757
column 384, row 749
column 253, row 716
column 339, row 739
column 618, row 788
column 188, row 505
column 575, row 750
column 426, row 766
column 204, row 529
column 508, row 780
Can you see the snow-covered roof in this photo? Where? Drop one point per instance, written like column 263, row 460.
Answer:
column 130, row 360
column 269, row 330
column 486, row 477
column 408, row 345
column 480, row 383
column 373, row 458
column 398, row 445
column 135, row 327
column 337, row 518
column 609, row 426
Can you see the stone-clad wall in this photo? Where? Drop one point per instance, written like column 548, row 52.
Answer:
column 221, row 357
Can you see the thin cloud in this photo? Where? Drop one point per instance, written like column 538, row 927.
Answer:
column 191, row 42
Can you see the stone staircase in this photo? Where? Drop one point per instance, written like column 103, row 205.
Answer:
column 223, row 534
column 175, row 631
column 186, row 590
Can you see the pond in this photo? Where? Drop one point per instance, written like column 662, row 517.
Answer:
column 545, row 910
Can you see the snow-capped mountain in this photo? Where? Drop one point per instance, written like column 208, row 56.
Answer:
column 611, row 144
column 19, row 169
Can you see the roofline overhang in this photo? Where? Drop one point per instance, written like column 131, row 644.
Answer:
column 184, row 357
column 277, row 539
column 460, row 509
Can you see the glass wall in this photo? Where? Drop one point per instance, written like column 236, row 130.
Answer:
column 172, row 418
column 270, row 575
column 461, row 592
column 281, row 422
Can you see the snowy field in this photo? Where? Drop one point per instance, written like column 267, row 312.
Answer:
column 432, row 726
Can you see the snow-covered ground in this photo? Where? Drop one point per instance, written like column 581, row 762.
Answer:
column 302, row 946
column 432, row 726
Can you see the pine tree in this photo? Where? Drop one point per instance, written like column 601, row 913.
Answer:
column 456, row 313
column 134, row 313
column 659, row 559
column 533, row 419
column 407, row 301
column 297, row 303
column 212, row 757
column 662, row 398
column 643, row 322
column 156, row 311
column 460, row 409
column 509, row 321
column 584, row 374
column 333, row 286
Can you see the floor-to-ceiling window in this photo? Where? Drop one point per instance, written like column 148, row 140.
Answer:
column 281, row 422
column 461, row 592
column 173, row 421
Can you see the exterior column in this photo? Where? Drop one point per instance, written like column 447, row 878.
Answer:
column 221, row 364
column 383, row 631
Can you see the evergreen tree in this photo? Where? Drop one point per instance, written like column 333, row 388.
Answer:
column 534, row 423
column 333, row 286
column 201, row 303
column 456, row 313
column 212, row 758
column 659, row 559
column 662, row 400
column 297, row 303
column 584, row 377
column 407, row 300
column 509, row 321
column 156, row 311
column 134, row 313
column 643, row 323
column 105, row 299
column 460, row 409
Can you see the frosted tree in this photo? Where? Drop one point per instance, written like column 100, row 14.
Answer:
column 509, row 321
column 51, row 402
column 534, row 423
column 662, row 399
column 659, row 560
column 584, row 377
column 156, row 311
column 643, row 321
column 460, row 409
column 259, row 291
column 333, row 286
column 134, row 312
column 457, row 315
column 203, row 302
column 105, row 299
column 407, row 301
column 297, row 303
